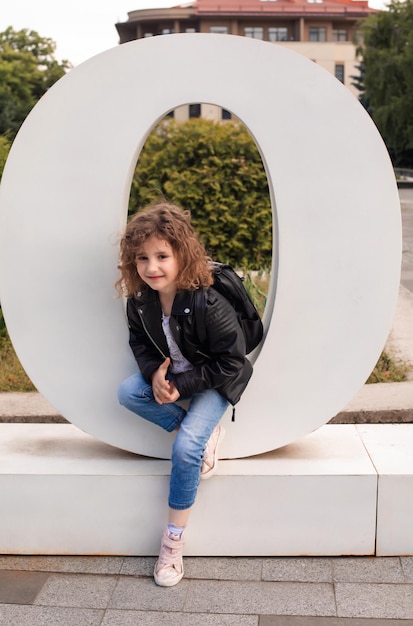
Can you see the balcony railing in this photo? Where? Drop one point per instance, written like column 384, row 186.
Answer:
column 274, row 7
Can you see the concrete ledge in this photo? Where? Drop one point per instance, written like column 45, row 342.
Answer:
column 381, row 403
column 342, row 490
column 317, row 496
column 391, row 449
column 29, row 407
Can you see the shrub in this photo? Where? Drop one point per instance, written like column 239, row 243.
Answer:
column 215, row 171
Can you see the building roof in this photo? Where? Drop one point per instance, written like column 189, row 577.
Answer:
column 266, row 7
column 245, row 9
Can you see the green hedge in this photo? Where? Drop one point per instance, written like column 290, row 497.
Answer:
column 3, row 330
column 215, row 171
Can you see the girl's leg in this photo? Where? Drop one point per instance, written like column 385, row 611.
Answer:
column 136, row 394
column 195, row 428
column 178, row 518
column 169, row 568
column 204, row 412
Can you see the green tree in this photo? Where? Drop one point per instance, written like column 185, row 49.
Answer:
column 215, row 171
column 387, row 57
column 359, row 84
column 4, row 151
column 27, row 70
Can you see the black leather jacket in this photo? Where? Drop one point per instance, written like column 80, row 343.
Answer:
column 220, row 363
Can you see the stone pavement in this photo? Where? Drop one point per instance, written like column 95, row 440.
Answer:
column 118, row 591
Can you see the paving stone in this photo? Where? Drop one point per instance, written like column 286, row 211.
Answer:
column 155, row 618
column 260, row 598
column 368, row 570
column 138, row 566
column 13, row 615
column 223, row 568
column 77, row 590
column 374, row 600
column 286, row 620
column 72, row 564
column 143, row 594
column 211, row 568
column 20, row 587
column 407, row 566
column 298, row 569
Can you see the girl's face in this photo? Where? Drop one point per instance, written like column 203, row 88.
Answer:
column 158, row 265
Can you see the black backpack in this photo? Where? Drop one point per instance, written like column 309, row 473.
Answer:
column 231, row 286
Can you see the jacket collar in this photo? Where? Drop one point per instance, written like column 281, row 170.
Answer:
column 183, row 304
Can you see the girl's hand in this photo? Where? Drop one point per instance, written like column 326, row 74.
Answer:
column 160, row 385
column 164, row 391
column 173, row 392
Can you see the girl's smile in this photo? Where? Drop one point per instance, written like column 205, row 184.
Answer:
column 158, row 265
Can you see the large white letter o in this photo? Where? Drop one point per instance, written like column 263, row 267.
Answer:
column 336, row 218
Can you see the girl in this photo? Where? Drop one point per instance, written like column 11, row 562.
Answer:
column 162, row 263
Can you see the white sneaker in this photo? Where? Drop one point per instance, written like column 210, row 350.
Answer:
column 210, row 462
column 169, row 568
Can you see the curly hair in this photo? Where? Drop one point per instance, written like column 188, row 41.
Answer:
column 172, row 224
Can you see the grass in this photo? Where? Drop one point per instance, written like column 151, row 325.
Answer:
column 12, row 375
column 257, row 285
column 388, row 370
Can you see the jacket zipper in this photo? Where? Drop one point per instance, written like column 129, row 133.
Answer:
column 207, row 356
column 149, row 335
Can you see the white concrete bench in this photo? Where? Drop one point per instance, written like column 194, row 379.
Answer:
column 342, row 490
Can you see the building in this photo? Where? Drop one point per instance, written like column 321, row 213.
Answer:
column 325, row 31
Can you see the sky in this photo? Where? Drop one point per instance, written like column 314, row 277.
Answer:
column 81, row 28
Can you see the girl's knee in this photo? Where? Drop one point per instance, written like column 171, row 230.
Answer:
column 125, row 390
column 123, row 393
column 123, row 396
column 186, row 450
column 131, row 389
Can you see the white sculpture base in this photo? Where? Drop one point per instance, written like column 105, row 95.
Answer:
column 64, row 492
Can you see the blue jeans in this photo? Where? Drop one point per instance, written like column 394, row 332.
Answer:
column 195, row 427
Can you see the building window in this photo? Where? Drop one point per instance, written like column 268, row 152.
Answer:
column 255, row 32
column 194, row 110
column 167, row 31
column 148, row 35
column 340, row 34
column 221, row 30
column 314, row 1
column 277, row 34
column 226, row 115
column 317, row 33
column 339, row 72
column 190, row 30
